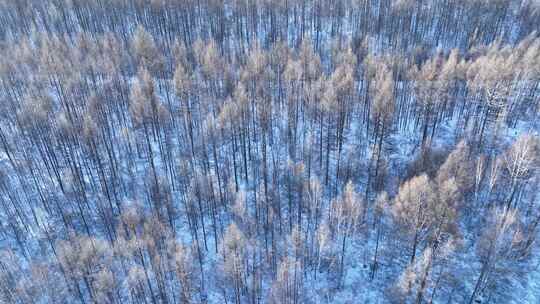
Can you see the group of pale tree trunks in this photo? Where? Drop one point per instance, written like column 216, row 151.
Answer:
column 280, row 151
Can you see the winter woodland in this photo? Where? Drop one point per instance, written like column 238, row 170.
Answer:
column 271, row 151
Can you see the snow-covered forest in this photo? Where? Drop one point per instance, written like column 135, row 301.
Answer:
column 269, row 151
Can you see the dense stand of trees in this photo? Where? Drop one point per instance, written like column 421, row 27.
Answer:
column 268, row 151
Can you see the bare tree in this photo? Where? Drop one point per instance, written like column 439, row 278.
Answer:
column 521, row 161
column 497, row 247
column 345, row 215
